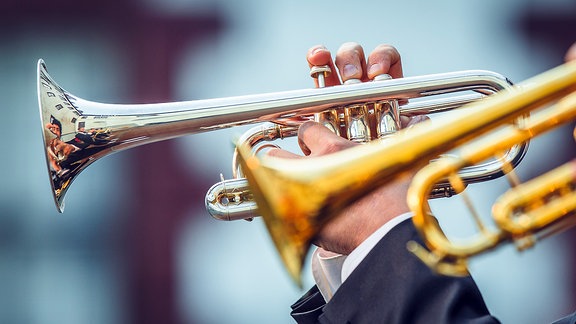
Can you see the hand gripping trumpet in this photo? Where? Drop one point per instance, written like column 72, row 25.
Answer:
column 315, row 190
column 78, row 132
column 362, row 122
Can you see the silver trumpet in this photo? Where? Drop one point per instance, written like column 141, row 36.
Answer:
column 77, row 132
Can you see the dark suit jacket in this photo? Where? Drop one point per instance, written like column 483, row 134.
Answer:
column 392, row 286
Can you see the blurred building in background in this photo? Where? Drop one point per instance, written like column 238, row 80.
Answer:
column 135, row 244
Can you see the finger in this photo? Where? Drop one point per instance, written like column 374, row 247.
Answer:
column 315, row 139
column 276, row 152
column 317, row 56
column 385, row 59
column 351, row 62
column 404, row 121
column 411, row 121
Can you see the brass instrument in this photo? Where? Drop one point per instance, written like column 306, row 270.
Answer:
column 524, row 214
column 315, row 190
column 78, row 132
column 232, row 200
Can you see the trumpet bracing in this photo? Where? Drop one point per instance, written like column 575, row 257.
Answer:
column 78, row 132
column 315, row 190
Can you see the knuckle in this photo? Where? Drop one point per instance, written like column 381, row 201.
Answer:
column 336, row 145
column 386, row 48
column 349, row 52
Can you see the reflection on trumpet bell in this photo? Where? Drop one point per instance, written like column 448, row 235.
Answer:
column 315, row 190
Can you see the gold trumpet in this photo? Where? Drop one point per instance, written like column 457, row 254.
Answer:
column 315, row 190
column 523, row 215
column 78, row 132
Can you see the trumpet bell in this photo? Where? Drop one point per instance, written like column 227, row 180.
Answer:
column 291, row 235
column 60, row 116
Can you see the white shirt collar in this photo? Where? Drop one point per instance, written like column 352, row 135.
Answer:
column 330, row 270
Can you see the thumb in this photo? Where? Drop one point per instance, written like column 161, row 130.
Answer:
column 315, row 138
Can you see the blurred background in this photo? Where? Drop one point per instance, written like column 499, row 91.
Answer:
column 135, row 244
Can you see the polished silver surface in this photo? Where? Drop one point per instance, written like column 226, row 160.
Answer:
column 77, row 132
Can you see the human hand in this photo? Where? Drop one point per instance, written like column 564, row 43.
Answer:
column 344, row 233
column 352, row 64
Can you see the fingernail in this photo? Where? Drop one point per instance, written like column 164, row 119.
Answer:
column 375, row 69
column 349, row 71
column 318, row 49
